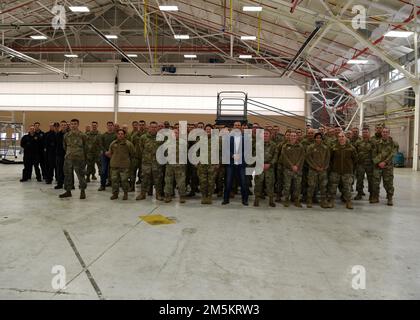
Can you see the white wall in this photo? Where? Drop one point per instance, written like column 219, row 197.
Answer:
column 93, row 91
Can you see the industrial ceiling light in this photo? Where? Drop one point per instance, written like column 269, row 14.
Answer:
column 79, row 9
column 398, row 34
column 71, row 55
column 251, row 38
column 111, row 36
column 312, row 92
column 245, row 56
column 39, row 37
column 132, row 55
column 252, row 8
column 330, row 79
column 190, row 56
column 181, row 36
column 354, row 61
column 168, row 8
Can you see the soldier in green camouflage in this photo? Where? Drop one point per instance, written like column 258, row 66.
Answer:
column 279, row 167
column 318, row 160
column 378, row 133
column 206, row 173
column 355, row 136
column 74, row 143
column 364, row 166
column 343, row 158
column 267, row 177
column 306, row 142
column 93, row 152
column 292, row 158
column 176, row 172
column 121, row 151
column 134, row 138
column 383, row 154
column 152, row 171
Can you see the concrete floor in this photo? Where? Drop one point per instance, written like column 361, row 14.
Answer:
column 210, row 252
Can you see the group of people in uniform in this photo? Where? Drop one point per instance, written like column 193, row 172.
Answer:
column 298, row 167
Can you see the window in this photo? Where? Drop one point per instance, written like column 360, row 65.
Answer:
column 395, row 75
column 373, row 84
column 357, row 91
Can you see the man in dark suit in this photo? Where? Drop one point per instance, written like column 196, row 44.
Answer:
column 237, row 166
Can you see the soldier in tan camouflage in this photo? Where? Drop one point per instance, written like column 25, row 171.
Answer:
column 318, row 160
column 75, row 160
column 383, row 154
column 364, row 166
column 292, row 158
column 343, row 158
column 267, row 177
column 121, row 151
column 152, row 171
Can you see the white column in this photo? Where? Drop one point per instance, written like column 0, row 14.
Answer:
column 361, row 115
column 116, row 95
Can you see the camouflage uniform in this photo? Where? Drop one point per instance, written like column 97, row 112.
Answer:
column 279, row 172
column 151, row 170
column 121, row 154
column 175, row 172
column 384, row 151
column 192, row 177
column 207, row 176
column 134, row 138
column 364, row 165
column 292, row 155
column 268, row 176
column 93, row 153
column 343, row 159
column 74, row 143
column 317, row 156
column 105, row 141
column 306, row 142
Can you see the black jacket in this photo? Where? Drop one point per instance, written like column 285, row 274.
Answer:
column 31, row 145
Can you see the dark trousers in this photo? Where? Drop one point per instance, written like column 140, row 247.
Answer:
column 237, row 171
column 59, row 170
column 51, row 167
column 105, row 169
column 43, row 164
column 28, row 163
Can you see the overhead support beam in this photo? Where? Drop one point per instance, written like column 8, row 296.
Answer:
column 376, row 50
column 88, row 25
column 392, row 88
column 319, row 25
column 29, row 59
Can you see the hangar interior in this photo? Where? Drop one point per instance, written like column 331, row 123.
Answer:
column 292, row 63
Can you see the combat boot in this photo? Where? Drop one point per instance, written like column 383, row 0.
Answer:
column 359, row 196
column 203, row 200
column 67, row 194
column 168, row 198
column 375, row 199
column 132, row 188
column 331, row 203
column 159, row 197
column 324, row 204
column 181, row 199
column 309, row 203
column 349, row 205
column 102, row 188
column 298, row 204
column 256, row 201
column 114, row 196
column 82, row 194
column 94, row 177
column 286, row 203
column 390, row 202
column 271, row 202
column 88, row 178
column 278, row 198
column 209, row 200
column 125, row 198
column 141, row 196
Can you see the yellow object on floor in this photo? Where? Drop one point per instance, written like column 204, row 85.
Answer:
column 157, row 219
